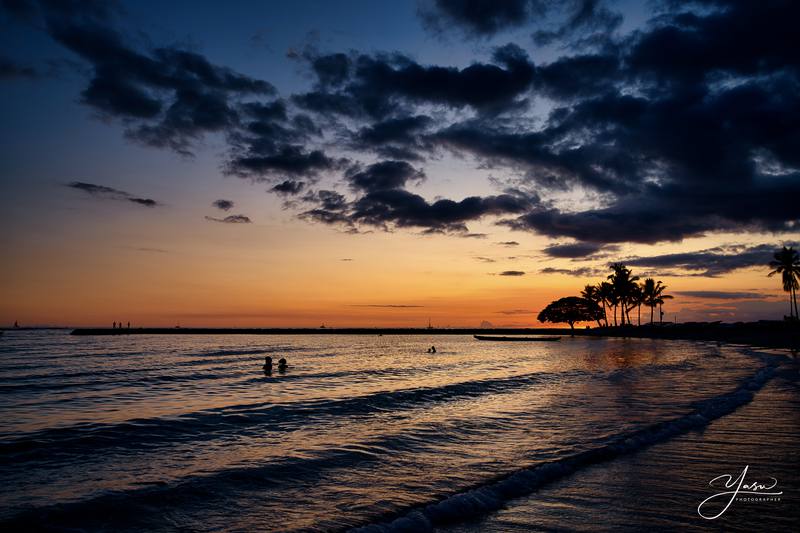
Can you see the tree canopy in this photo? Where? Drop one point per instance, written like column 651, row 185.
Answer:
column 570, row 310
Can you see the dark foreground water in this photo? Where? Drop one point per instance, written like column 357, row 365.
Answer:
column 187, row 433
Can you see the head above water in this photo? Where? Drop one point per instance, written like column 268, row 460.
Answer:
column 268, row 360
column 282, row 361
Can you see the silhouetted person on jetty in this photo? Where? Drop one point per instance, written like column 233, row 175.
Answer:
column 129, row 325
column 268, row 365
column 282, row 366
column 113, row 325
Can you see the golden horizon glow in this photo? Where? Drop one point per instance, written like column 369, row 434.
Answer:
column 159, row 270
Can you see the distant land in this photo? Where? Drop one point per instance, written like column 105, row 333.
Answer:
column 314, row 331
column 774, row 334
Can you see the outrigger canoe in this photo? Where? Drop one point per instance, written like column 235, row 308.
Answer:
column 515, row 338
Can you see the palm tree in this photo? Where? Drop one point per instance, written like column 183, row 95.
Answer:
column 653, row 295
column 637, row 299
column 592, row 293
column 787, row 264
column 624, row 284
column 606, row 293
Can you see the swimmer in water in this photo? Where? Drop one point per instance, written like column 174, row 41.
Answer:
column 268, row 365
column 282, row 366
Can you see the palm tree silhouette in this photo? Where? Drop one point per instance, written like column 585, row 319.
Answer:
column 787, row 264
column 592, row 293
column 624, row 285
column 653, row 296
column 607, row 298
column 637, row 299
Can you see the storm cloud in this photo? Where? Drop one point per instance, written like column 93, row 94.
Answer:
column 685, row 126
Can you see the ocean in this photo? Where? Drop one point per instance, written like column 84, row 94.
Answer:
column 166, row 433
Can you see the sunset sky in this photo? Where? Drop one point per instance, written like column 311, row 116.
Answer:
column 364, row 163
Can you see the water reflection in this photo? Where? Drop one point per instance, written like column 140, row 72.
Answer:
column 197, row 426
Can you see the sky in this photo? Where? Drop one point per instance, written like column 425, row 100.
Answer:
column 364, row 163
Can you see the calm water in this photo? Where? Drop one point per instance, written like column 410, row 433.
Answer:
column 186, row 432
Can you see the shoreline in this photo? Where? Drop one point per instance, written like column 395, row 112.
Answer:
column 767, row 334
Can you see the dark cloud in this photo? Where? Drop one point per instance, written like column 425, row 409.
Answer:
column 332, row 69
column 329, row 207
column 511, row 273
column 742, row 38
column 577, row 249
column 383, row 176
column 10, row 69
column 586, row 20
column 225, row 205
column 292, row 160
column 508, row 243
column 231, row 219
column 383, row 203
column 167, row 97
column 396, row 138
column 485, row 259
column 147, row 202
column 400, row 208
column 685, row 127
column 289, row 187
column 579, row 76
column 476, row 17
column 577, row 272
column 721, row 295
column 678, row 144
column 711, row 262
column 101, row 191
column 269, row 144
column 379, row 84
column 171, row 98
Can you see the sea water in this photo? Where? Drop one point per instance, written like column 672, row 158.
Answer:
column 364, row 431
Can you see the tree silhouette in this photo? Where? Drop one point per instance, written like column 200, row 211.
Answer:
column 653, row 295
column 606, row 293
column 570, row 310
column 625, row 288
column 592, row 294
column 787, row 264
column 637, row 299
